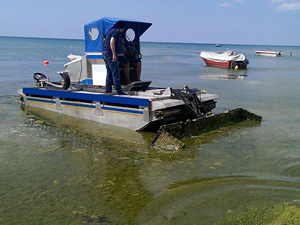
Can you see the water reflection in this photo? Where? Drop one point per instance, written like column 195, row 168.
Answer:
column 224, row 77
column 222, row 73
column 87, row 131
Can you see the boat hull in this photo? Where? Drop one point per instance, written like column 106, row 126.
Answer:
column 228, row 64
column 268, row 53
column 90, row 106
column 138, row 111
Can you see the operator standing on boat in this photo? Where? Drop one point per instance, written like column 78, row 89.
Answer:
column 110, row 58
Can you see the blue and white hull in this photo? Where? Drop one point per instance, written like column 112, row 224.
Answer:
column 137, row 111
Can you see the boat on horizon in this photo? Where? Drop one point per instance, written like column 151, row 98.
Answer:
column 269, row 53
column 218, row 45
column 227, row 59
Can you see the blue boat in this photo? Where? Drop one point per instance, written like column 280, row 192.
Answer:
column 81, row 90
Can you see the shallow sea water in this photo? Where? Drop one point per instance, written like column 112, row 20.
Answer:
column 56, row 169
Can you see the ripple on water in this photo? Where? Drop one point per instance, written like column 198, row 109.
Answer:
column 221, row 197
column 291, row 171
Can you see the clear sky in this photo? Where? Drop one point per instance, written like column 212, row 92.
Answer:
column 258, row 22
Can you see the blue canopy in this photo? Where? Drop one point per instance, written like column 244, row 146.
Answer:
column 95, row 31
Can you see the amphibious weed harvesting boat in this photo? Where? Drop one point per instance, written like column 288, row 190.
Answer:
column 81, row 93
column 227, row 59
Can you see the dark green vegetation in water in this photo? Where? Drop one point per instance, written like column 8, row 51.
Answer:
column 168, row 136
column 85, row 174
column 280, row 214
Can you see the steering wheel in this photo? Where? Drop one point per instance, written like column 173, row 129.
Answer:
column 39, row 76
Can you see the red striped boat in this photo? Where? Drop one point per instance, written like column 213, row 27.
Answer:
column 227, row 59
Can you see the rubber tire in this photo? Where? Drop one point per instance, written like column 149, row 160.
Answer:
column 66, row 80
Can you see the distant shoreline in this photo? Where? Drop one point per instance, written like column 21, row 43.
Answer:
column 156, row 42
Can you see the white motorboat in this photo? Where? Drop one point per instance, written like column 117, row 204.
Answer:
column 227, row 59
column 269, row 53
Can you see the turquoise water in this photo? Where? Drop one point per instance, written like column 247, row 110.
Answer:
column 56, row 169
